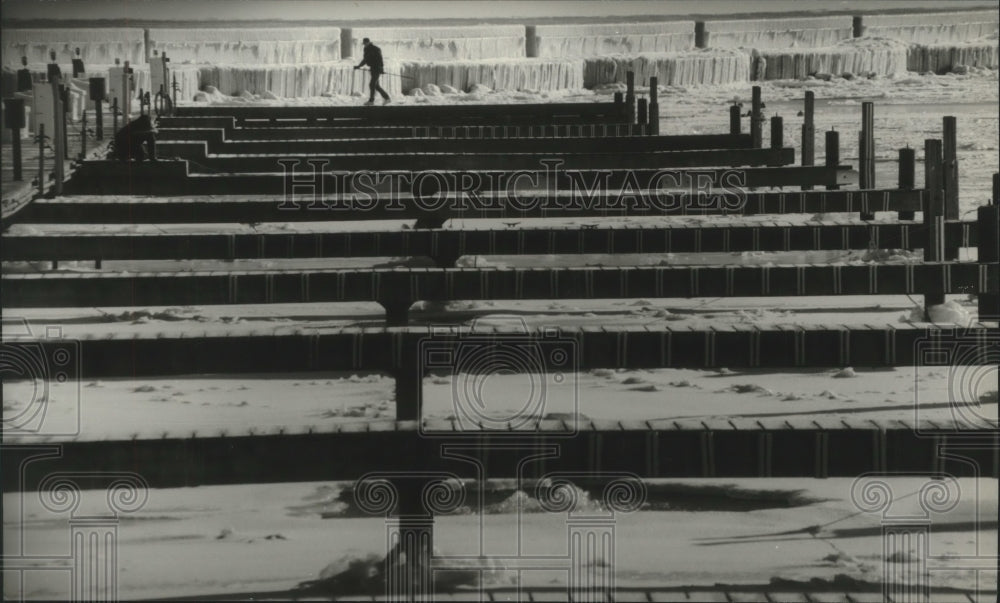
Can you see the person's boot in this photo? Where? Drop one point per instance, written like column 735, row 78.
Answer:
column 370, row 103
column 386, row 101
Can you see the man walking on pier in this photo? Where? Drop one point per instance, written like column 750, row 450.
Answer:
column 373, row 58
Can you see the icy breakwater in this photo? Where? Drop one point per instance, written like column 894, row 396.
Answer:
column 316, row 61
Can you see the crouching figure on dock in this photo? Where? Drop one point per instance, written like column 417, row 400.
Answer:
column 373, row 58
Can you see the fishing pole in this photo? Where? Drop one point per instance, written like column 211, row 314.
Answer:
column 384, row 73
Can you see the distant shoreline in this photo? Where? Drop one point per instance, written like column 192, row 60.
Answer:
column 262, row 23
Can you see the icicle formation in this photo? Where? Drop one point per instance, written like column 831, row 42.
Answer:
column 943, row 58
column 295, row 81
column 856, row 56
column 778, row 33
column 270, row 46
column 443, row 43
column 673, row 69
column 596, row 39
column 934, row 28
column 512, row 74
column 97, row 46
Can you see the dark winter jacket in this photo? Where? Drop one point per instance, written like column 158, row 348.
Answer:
column 373, row 58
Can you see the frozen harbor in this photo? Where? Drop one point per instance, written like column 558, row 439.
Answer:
column 757, row 538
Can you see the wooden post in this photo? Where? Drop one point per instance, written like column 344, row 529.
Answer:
column 58, row 139
column 950, row 177
column 174, row 91
column 777, row 132
column 857, row 26
column 642, row 117
column 756, row 119
column 907, row 176
column 630, row 94
column 64, row 99
column 99, row 119
column 126, row 104
column 654, row 106
column 83, row 135
column 809, row 134
column 618, row 98
column 41, row 159
column 114, row 116
column 735, row 125
column 988, row 229
column 933, row 221
column 832, row 154
column 866, row 152
column 14, row 121
column 700, row 35
column 142, row 102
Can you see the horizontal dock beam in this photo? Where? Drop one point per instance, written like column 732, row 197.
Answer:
column 218, row 144
column 643, row 450
column 540, row 112
column 257, row 208
column 174, row 178
column 450, row 244
column 297, row 154
column 298, row 130
column 397, row 289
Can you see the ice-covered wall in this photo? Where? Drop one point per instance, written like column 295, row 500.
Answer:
column 856, row 56
column 933, row 28
column 295, row 81
column 247, row 45
column 498, row 74
column 778, row 33
column 596, row 39
column 442, row 43
column 942, row 58
column 99, row 46
column 708, row 66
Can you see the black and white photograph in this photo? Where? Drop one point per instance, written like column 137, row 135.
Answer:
column 579, row 300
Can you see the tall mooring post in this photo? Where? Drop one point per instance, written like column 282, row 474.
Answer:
column 735, row 125
column 630, row 94
column 907, row 176
column 989, row 252
column 58, row 138
column 654, row 107
column 832, row 145
column 950, row 176
column 97, row 94
column 700, row 35
column 14, row 118
column 808, row 134
column 866, row 151
column 933, row 221
column 756, row 119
